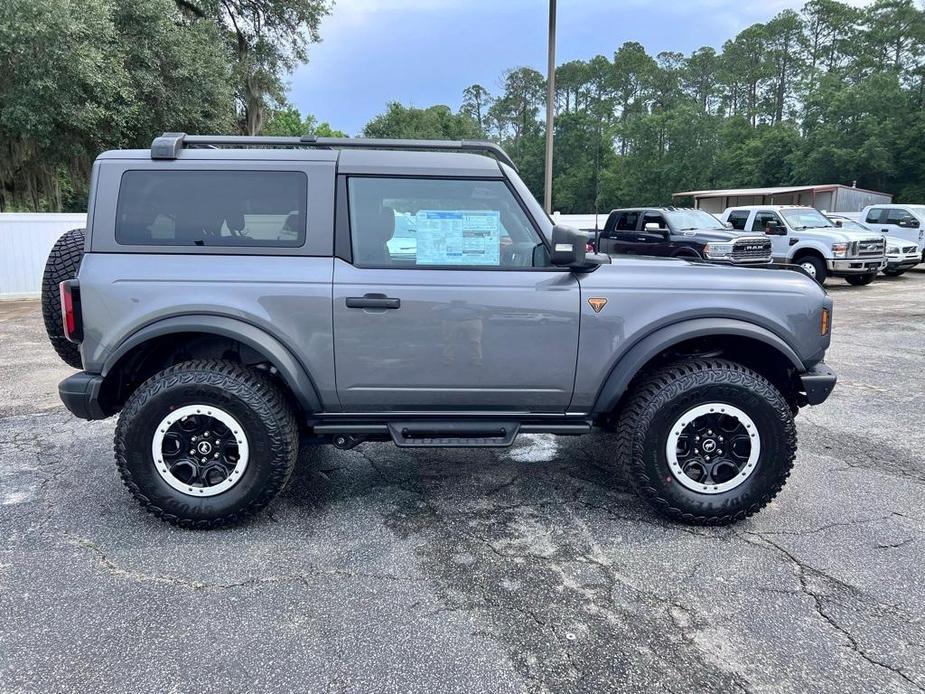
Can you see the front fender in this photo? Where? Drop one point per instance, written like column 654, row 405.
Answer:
column 291, row 370
column 653, row 344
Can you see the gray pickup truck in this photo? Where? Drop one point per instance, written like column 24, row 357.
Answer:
column 238, row 296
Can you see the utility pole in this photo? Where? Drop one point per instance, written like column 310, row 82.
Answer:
column 550, row 106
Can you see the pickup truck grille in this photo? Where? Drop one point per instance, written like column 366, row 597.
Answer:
column 752, row 250
column 870, row 248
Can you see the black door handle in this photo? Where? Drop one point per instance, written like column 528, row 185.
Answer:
column 373, row 301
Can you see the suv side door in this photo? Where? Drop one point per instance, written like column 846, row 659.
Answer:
column 474, row 318
column 780, row 244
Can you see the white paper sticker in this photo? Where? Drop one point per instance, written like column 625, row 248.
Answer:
column 458, row 237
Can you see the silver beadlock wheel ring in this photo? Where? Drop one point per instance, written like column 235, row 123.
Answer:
column 200, row 450
column 713, row 448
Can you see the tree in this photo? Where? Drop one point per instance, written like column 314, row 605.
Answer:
column 700, row 76
column 434, row 123
column 476, row 102
column 80, row 76
column 288, row 121
column 268, row 39
column 782, row 38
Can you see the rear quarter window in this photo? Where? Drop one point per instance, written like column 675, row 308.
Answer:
column 212, row 208
column 738, row 219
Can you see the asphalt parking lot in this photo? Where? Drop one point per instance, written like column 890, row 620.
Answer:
column 525, row 569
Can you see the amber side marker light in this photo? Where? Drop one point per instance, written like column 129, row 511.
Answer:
column 825, row 322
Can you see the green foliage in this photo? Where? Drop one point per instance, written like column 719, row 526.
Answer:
column 82, row 76
column 434, row 123
column 288, row 121
column 831, row 94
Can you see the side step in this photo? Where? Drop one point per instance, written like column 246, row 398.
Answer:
column 450, row 434
column 437, row 432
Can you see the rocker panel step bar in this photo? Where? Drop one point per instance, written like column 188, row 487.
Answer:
column 450, row 434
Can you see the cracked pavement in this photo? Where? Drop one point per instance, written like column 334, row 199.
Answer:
column 531, row 569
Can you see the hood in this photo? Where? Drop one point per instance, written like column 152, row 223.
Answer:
column 839, row 234
column 717, row 234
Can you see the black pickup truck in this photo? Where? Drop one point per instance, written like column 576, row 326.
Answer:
column 681, row 233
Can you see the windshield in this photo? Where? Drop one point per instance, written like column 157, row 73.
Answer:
column 693, row 219
column 850, row 224
column 805, row 218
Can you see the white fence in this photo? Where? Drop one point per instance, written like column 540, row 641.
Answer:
column 25, row 240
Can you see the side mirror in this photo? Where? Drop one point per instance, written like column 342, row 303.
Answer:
column 569, row 249
column 653, row 227
column 839, row 223
column 909, row 223
column 774, row 229
column 728, row 225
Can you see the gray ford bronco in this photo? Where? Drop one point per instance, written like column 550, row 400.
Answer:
column 232, row 297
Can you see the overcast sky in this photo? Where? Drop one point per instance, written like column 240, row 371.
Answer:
column 425, row 52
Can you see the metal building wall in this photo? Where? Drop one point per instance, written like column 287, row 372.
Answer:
column 25, row 240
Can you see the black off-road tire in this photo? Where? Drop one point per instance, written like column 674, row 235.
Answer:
column 821, row 271
column 62, row 264
column 659, row 398
column 252, row 398
column 861, row 280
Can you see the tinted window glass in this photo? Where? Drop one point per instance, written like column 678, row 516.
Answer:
column 762, row 219
column 894, row 216
column 403, row 222
column 627, row 221
column 738, row 219
column 212, row 208
column 806, row 218
column 873, row 216
column 654, row 218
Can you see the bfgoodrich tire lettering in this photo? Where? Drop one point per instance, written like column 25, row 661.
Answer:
column 662, row 397
column 248, row 396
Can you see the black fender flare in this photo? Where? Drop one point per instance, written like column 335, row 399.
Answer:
column 290, row 369
column 637, row 356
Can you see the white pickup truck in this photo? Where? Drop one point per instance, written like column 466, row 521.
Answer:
column 805, row 237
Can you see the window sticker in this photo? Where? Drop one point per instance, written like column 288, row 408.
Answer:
column 458, row 237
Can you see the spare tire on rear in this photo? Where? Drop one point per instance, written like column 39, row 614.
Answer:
column 63, row 264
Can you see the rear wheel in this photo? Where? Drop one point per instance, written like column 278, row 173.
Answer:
column 814, row 267
column 206, row 443
column 861, row 280
column 62, row 264
column 706, row 442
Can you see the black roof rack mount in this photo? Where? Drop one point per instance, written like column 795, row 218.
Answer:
column 168, row 145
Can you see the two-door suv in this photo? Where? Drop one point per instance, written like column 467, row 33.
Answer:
column 236, row 295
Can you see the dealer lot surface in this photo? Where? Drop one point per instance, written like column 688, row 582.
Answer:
column 526, row 569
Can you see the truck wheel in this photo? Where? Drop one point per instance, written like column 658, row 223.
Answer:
column 62, row 264
column 206, row 443
column 814, row 267
column 861, row 280
column 706, row 441
column 894, row 273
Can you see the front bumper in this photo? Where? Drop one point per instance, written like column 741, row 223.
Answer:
column 80, row 394
column 855, row 266
column 818, row 383
column 902, row 263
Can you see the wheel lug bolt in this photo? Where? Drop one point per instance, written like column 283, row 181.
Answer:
column 192, row 452
column 204, row 460
column 193, row 439
column 215, row 456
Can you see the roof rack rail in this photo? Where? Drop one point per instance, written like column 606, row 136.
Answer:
column 168, row 145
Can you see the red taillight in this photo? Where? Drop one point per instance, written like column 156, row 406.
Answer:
column 69, row 317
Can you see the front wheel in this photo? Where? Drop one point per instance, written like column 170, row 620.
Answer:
column 894, row 273
column 706, row 441
column 814, row 267
column 206, row 443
